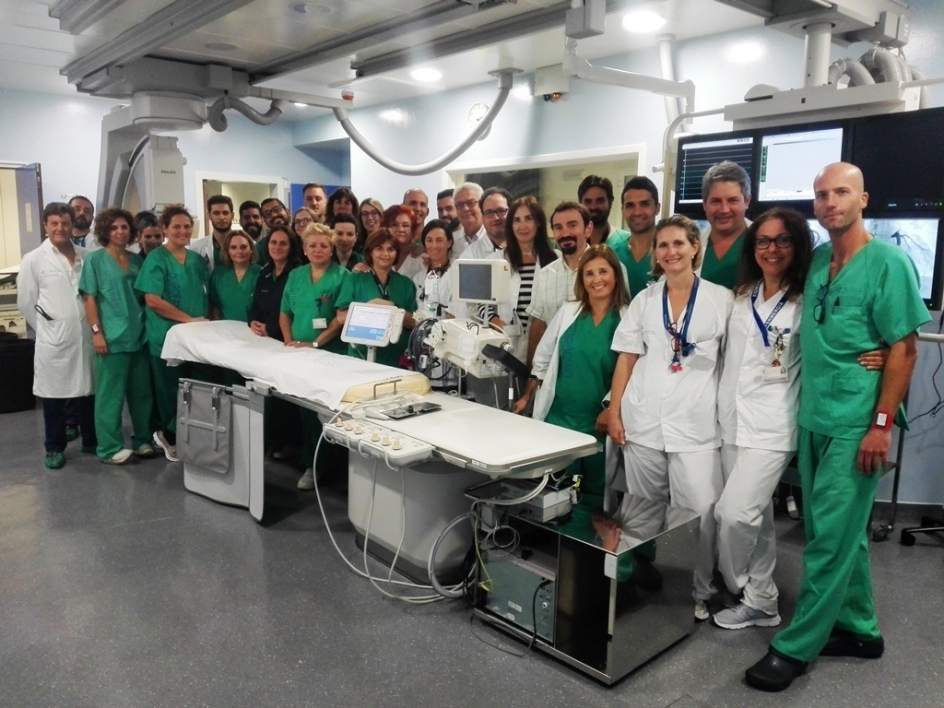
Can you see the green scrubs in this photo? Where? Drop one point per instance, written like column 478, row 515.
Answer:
column 584, row 375
column 640, row 272
column 723, row 271
column 361, row 287
column 874, row 299
column 122, row 372
column 183, row 285
column 307, row 301
column 232, row 297
column 355, row 258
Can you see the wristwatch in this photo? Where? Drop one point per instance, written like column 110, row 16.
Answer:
column 882, row 421
column 96, row 329
column 314, row 345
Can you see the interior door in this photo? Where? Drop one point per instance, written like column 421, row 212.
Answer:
column 29, row 193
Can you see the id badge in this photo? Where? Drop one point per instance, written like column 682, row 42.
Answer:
column 512, row 329
column 319, row 323
column 775, row 374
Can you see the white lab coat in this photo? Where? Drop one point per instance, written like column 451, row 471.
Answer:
column 673, row 412
column 483, row 248
column 547, row 356
column 203, row 246
column 432, row 290
column 754, row 413
column 460, row 243
column 62, row 365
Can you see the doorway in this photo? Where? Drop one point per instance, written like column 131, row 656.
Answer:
column 239, row 188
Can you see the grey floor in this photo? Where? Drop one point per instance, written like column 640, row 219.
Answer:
column 118, row 588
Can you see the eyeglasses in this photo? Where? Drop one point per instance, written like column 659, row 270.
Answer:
column 468, row 205
column 781, row 241
column 819, row 307
column 492, row 213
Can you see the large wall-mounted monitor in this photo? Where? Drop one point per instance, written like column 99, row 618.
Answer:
column 789, row 162
column 696, row 155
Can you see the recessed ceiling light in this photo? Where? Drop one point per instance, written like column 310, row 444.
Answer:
column 393, row 115
column 426, row 74
column 745, row 52
column 220, row 46
column 643, row 21
column 299, row 104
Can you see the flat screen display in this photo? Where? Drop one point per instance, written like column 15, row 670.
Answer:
column 696, row 157
column 790, row 161
column 368, row 325
column 475, row 281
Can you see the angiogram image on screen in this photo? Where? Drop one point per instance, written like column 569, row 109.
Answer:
column 918, row 238
column 697, row 157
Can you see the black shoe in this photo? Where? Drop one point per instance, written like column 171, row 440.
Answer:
column 843, row 643
column 774, row 672
column 72, row 432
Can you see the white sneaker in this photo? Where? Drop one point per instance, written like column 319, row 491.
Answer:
column 119, row 458
column 144, row 451
column 701, row 610
column 307, row 481
column 170, row 452
column 742, row 616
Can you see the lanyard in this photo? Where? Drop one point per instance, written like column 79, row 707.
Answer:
column 384, row 289
column 680, row 344
column 764, row 326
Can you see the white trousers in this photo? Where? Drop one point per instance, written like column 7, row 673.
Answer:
column 689, row 480
column 747, row 545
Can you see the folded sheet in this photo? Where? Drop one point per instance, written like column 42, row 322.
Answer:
column 310, row 374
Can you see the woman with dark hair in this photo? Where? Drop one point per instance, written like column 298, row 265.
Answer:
column 663, row 411
column 283, row 257
column 149, row 232
column 757, row 407
column 574, row 363
column 301, row 219
column 527, row 250
column 341, row 201
column 344, row 241
column 384, row 286
column 116, row 315
column 432, row 283
column 174, row 281
column 233, row 282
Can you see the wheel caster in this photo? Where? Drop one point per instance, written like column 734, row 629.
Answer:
column 907, row 539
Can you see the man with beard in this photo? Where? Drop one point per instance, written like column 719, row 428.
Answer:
column 469, row 210
column 640, row 200
column 595, row 193
column 82, row 224
column 220, row 212
column 571, row 226
column 274, row 214
column 494, row 207
column 316, row 199
column 446, row 205
column 250, row 219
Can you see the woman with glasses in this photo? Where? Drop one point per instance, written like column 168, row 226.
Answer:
column 301, row 219
column 371, row 218
column 757, row 406
column 664, row 392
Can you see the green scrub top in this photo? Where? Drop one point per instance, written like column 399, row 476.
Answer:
column 639, row 272
column 872, row 301
column 360, row 287
column 356, row 257
column 306, row 300
column 120, row 309
column 262, row 249
column 182, row 285
column 585, row 372
column 232, row 297
column 723, row 272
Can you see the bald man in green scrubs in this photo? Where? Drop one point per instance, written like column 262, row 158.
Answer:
column 860, row 293
column 726, row 194
column 640, row 201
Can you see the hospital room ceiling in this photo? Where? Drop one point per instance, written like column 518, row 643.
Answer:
column 310, row 46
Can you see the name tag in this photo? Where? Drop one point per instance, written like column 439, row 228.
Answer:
column 319, row 323
column 775, row 374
